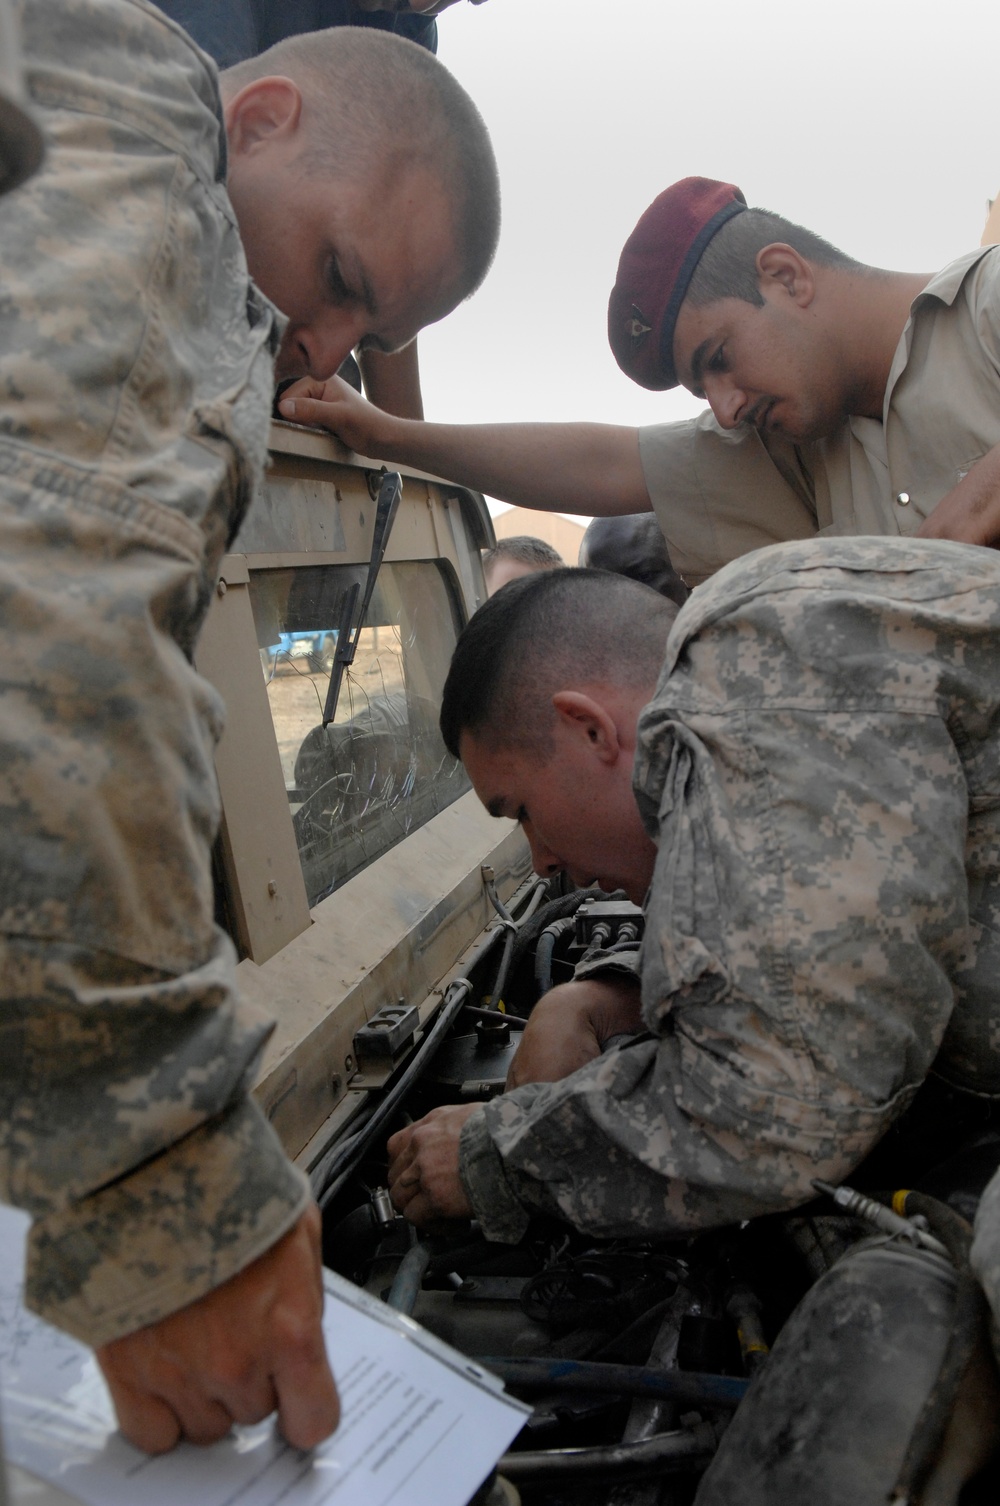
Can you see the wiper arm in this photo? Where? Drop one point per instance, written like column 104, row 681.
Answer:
column 389, row 493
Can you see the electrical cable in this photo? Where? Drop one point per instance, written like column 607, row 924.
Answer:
column 331, row 1172
column 496, row 997
column 512, row 926
column 334, row 1168
column 490, row 884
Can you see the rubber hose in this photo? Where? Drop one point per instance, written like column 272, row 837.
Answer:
column 621, row 1380
column 664, row 1452
column 968, row 1320
column 544, row 949
column 534, row 902
column 496, row 901
column 949, row 1226
column 409, row 1278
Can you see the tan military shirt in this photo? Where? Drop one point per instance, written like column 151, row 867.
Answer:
column 720, row 494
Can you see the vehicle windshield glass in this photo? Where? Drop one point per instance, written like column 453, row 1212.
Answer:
column 380, row 770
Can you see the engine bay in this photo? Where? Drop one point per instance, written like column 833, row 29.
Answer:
column 634, row 1354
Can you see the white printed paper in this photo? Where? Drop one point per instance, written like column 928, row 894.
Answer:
column 421, row 1425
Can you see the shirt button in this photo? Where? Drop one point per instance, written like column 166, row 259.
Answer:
column 902, row 498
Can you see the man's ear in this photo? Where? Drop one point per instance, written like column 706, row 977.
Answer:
column 780, row 269
column 590, row 719
column 261, row 113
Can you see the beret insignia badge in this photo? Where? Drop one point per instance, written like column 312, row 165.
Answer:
column 637, row 327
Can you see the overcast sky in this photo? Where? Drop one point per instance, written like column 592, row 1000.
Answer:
column 873, row 122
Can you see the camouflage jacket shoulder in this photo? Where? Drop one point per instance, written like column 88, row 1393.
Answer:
column 819, row 768
column 135, row 388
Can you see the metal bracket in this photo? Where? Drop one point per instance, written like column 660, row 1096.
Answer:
column 387, row 1033
column 607, row 921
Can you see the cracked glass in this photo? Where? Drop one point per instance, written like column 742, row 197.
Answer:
column 380, row 770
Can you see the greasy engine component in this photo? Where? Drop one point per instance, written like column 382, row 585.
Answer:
column 551, row 940
column 831, row 1415
column 609, row 1341
column 744, row 1307
column 603, row 923
column 636, row 1356
column 601, row 1289
column 598, row 924
column 578, row 1302
column 471, row 1068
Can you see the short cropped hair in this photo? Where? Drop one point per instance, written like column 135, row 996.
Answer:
column 526, row 550
column 728, row 266
column 546, row 632
column 378, row 104
column 632, row 544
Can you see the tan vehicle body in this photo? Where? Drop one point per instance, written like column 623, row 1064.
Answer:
column 398, row 928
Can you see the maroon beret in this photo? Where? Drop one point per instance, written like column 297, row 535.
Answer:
column 655, row 271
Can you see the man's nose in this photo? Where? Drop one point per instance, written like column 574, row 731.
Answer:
column 727, row 401
column 543, row 859
column 325, row 344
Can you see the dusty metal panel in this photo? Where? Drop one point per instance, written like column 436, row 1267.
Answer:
column 263, row 875
column 325, row 514
column 398, row 927
column 394, row 931
column 314, row 470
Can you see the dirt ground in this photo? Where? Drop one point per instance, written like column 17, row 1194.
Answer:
column 297, row 693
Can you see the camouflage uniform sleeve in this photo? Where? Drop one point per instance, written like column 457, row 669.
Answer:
column 819, row 768
column 497, row 1201
column 136, row 372
column 610, row 1151
column 151, row 1175
column 622, row 961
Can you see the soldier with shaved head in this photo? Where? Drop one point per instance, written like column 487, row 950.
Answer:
column 180, row 243
column 519, row 555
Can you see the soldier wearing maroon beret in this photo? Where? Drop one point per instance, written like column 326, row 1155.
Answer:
column 842, row 398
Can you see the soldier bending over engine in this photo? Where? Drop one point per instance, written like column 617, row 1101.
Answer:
column 804, row 793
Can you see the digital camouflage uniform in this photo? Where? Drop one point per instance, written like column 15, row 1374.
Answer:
column 820, row 768
column 135, row 383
